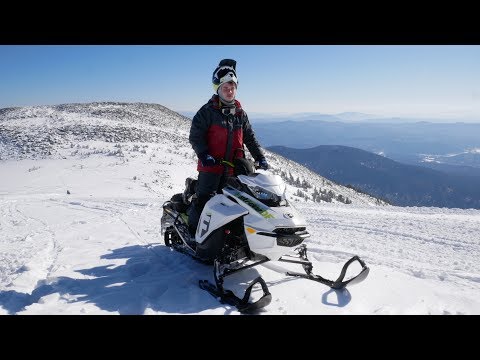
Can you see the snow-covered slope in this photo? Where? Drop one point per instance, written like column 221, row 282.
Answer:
column 58, row 132
column 80, row 229
column 98, row 250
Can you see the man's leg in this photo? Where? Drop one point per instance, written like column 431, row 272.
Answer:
column 206, row 187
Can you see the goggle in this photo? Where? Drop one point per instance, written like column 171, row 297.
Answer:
column 223, row 75
column 228, row 110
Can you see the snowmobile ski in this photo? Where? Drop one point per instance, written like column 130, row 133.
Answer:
column 242, row 305
column 340, row 283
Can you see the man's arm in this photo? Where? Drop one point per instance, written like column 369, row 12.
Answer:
column 198, row 132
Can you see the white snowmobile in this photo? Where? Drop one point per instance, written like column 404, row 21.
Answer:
column 249, row 222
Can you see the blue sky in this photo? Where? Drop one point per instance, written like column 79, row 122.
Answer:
column 390, row 80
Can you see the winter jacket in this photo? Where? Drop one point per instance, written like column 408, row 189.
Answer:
column 220, row 135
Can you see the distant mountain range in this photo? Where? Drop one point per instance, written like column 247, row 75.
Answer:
column 401, row 184
column 353, row 117
column 432, row 145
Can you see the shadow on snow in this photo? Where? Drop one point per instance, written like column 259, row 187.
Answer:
column 154, row 278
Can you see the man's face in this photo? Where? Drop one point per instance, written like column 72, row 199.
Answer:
column 228, row 90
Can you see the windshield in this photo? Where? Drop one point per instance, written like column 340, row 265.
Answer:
column 269, row 189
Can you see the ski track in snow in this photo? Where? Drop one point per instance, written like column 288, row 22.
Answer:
column 36, row 259
column 398, row 238
column 40, row 247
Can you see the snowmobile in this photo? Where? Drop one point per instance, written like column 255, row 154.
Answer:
column 246, row 223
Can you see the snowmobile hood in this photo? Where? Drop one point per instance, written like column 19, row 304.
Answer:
column 265, row 217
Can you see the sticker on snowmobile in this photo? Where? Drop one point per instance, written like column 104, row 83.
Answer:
column 206, row 222
column 255, row 206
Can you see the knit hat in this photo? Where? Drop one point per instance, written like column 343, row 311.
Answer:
column 225, row 72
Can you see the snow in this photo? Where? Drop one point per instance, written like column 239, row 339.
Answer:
column 98, row 250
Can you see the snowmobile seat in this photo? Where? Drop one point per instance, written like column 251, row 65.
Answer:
column 234, row 183
column 190, row 190
column 243, row 167
column 178, row 204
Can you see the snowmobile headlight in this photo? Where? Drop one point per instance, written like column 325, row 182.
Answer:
column 265, row 195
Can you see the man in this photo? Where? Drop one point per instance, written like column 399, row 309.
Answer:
column 219, row 130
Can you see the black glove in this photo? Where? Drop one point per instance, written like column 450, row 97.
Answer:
column 262, row 164
column 207, row 159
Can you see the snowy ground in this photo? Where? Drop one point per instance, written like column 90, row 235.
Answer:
column 98, row 249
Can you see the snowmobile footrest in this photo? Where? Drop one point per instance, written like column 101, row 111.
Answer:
column 242, row 305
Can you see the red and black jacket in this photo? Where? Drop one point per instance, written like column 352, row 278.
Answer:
column 220, row 135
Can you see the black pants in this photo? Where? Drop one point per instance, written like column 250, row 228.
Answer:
column 207, row 186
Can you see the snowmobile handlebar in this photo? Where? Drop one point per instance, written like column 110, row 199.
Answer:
column 224, row 162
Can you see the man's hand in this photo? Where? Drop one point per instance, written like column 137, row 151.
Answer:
column 207, row 160
column 262, row 164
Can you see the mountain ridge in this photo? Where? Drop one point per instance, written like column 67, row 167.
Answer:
column 398, row 183
column 410, row 143
column 115, row 129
